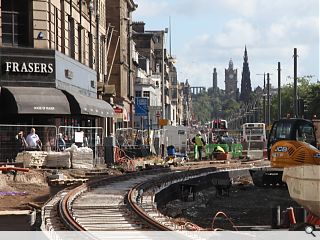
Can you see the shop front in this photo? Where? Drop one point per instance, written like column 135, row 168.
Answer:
column 40, row 86
column 47, row 89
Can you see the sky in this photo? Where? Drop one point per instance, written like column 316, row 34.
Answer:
column 206, row 34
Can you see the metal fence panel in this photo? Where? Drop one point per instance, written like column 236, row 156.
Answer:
column 90, row 137
column 9, row 143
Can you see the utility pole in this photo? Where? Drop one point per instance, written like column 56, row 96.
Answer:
column 268, row 99
column 279, row 91
column 264, row 97
column 295, row 80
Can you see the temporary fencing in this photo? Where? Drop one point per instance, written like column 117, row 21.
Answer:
column 88, row 148
column 10, row 146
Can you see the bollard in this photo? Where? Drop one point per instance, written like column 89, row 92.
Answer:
column 301, row 215
column 291, row 216
column 285, row 222
column 275, row 217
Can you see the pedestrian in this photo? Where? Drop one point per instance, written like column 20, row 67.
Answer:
column 199, row 144
column 33, row 140
column 61, row 143
column 21, row 143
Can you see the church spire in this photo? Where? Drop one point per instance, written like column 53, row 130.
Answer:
column 245, row 80
column 245, row 58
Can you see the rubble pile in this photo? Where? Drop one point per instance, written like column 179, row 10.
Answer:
column 81, row 157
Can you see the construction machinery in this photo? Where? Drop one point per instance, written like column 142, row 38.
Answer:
column 291, row 142
column 295, row 161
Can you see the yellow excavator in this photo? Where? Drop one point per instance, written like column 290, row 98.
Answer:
column 291, row 142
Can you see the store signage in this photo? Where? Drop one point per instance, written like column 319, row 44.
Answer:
column 43, row 108
column 31, row 67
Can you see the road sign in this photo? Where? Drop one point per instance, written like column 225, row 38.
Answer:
column 141, row 106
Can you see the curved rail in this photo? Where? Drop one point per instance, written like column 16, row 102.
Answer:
column 141, row 213
column 64, row 212
column 70, row 221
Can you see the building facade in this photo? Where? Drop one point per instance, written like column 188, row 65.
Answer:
column 120, row 58
column 231, row 81
column 51, row 63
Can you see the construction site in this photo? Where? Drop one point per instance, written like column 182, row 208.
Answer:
column 143, row 187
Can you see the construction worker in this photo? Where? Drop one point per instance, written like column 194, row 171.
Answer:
column 217, row 150
column 199, row 144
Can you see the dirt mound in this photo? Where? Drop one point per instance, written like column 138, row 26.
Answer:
column 17, row 191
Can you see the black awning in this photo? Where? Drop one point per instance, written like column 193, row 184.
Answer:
column 80, row 104
column 33, row 100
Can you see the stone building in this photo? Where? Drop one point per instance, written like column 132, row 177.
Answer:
column 52, row 62
column 231, row 81
column 214, row 80
column 120, row 59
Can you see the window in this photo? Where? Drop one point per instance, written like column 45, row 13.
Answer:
column 305, row 133
column 146, row 94
column 138, row 93
column 15, row 28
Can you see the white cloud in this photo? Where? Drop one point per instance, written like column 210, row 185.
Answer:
column 242, row 7
column 237, row 32
column 150, row 8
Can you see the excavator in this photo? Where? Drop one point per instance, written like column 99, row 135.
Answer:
column 291, row 142
column 295, row 161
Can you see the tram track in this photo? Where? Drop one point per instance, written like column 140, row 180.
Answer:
column 115, row 204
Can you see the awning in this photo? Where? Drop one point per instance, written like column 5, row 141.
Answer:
column 80, row 104
column 33, row 100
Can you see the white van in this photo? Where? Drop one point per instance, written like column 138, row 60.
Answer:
column 176, row 136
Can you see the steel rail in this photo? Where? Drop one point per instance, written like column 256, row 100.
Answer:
column 141, row 213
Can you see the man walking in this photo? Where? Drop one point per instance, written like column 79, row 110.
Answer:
column 199, row 144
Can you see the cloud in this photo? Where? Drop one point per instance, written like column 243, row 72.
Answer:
column 244, row 8
column 150, row 8
column 237, row 32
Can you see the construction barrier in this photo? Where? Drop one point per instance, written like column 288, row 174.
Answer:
column 234, row 149
column 211, row 147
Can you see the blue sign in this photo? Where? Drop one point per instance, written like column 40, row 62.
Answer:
column 141, row 106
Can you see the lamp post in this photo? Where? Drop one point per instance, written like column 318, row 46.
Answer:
column 295, row 80
column 264, row 96
column 268, row 99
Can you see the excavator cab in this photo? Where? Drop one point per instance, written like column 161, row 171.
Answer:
column 291, row 142
column 295, row 129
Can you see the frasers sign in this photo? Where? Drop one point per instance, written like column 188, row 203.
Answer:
column 31, row 67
